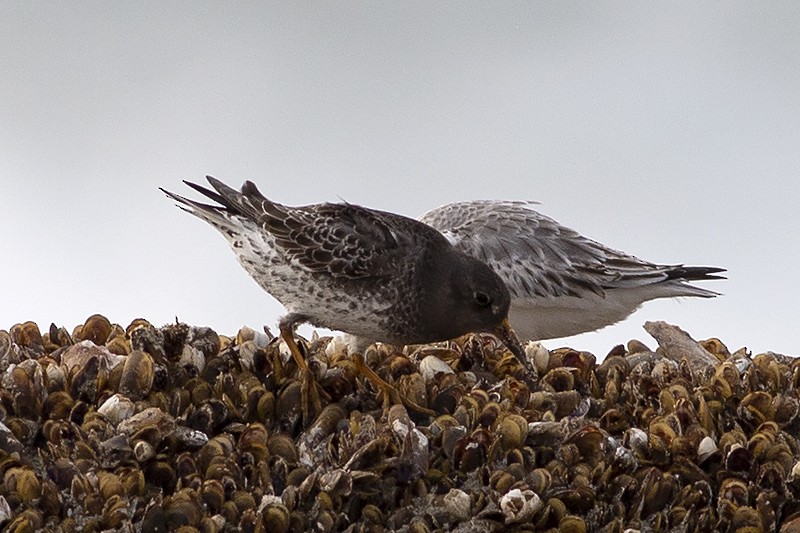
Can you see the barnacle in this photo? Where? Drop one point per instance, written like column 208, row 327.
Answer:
column 178, row 427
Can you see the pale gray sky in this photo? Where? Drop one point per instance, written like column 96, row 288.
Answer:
column 668, row 130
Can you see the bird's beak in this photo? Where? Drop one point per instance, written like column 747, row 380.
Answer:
column 504, row 332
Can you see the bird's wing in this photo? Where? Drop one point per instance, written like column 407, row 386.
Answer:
column 344, row 240
column 535, row 255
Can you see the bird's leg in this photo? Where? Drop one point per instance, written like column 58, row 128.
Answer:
column 390, row 394
column 277, row 366
column 309, row 393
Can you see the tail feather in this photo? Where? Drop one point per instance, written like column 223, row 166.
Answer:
column 248, row 203
column 189, row 205
column 207, row 192
column 686, row 289
column 233, row 208
column 217, row 216
column 694, row 273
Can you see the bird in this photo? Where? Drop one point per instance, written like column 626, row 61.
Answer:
column 561, row 283
column 375, row 275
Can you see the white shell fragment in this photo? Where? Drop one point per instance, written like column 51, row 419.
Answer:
column 431, row 365
column 519, row 505
column 116, row 409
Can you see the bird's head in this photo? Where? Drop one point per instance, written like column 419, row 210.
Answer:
column 480, row 292
column 471, row 298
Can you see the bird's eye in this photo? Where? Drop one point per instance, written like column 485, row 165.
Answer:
column 482, row 299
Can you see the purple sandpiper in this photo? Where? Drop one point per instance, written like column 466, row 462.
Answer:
column 372, row 274
column 561, row 282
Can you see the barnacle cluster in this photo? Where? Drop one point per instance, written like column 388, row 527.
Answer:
column 147, row 428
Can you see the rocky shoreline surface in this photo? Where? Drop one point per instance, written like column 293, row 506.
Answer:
column 146, row 428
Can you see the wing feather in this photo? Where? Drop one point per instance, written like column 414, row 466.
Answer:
column 343, row 240
column 537, row 256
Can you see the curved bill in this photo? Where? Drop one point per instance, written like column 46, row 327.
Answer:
column 504, row 332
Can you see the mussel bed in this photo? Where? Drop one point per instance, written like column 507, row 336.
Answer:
column 145, row 428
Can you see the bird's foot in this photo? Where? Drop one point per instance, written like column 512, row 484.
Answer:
column 310, row 403
column 390, row 395
column 310, row 390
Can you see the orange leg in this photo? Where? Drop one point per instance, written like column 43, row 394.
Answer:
column 310, row 402
column 389, row 393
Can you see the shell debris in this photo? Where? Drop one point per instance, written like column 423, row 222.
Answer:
column 177, row 427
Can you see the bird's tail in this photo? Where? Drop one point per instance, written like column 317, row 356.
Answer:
column 694, row 273
column 218, row 216
column 681, row 274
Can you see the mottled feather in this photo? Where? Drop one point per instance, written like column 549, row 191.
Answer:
column 341, row 239
column 374, row 274
column 561, row 282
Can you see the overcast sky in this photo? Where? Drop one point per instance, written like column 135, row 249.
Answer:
column 668, row 130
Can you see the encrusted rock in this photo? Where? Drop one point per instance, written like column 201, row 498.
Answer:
column 143, row 428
